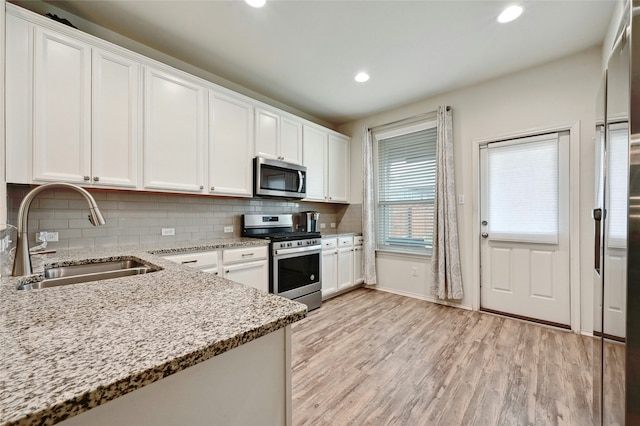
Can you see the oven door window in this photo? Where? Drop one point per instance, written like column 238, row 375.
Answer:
column 298, row 271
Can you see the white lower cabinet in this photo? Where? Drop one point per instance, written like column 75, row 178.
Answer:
column 358, row 261
column 206, row 261
column 248, row 266
column 345, row 267
column 329, row 266
column 341, row 264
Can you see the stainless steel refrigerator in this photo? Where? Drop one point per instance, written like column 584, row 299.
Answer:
column 616, row 357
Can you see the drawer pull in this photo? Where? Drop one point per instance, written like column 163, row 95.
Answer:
column 184, row 262
column 247, row 254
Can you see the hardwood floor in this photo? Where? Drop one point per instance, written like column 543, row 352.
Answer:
column 374, row 358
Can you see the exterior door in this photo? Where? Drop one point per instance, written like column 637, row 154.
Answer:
column 525, row 228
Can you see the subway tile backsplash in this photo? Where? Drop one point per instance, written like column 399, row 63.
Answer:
column 138, row 218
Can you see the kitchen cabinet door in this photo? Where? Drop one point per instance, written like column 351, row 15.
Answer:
column 174, row 132
column 253, row 274
column 345, row 267
column 338, row 169
column 62, row 108
column 19, row 100
column 358, row 270
column 290, row 140
column 230, row 146
column 278, row 137
column 267, row 134
column 116, row 120
column 314, row 156
column 329, row 272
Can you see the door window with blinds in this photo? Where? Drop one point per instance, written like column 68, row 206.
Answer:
column 523, row 189
column 406, row 174
column 617, row 184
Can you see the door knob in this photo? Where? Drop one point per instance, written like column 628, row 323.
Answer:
column 485, row 235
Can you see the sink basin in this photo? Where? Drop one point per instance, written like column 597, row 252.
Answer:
column 74, row 274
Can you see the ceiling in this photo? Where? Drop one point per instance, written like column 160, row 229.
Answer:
column 305, row 53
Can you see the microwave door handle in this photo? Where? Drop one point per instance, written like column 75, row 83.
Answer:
column 301, row 180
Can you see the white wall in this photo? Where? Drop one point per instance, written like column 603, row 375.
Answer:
column 559, row 93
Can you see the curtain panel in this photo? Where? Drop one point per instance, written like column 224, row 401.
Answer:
column 446, row 276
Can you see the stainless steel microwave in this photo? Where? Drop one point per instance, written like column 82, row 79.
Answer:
column 274, row 178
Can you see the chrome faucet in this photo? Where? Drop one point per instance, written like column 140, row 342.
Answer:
column 22, row 260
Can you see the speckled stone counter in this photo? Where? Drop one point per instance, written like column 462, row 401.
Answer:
column 67, row 349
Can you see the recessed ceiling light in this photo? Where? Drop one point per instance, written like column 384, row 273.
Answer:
column 256, row 3
column 361, row 77
column 510, row 13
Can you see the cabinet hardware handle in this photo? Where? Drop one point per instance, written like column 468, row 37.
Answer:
column 189, row 261
column 201, row 187
column 247, row 254
column 215, row 273
column 96, row 179
column 213, row 188
column 87, row 178
column 227, row 271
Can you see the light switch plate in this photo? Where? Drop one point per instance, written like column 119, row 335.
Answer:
column 168, row 231
column 323, row 225
column 228, row 229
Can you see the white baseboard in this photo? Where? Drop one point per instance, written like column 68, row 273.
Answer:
column 418, row 296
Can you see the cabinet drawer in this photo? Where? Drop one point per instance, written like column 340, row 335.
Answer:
column 195, row 260
column 244, row 254
column 345, row 241
column 357, row 241
column 329, row 243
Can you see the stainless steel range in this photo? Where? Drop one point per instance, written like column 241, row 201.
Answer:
column 296, row 257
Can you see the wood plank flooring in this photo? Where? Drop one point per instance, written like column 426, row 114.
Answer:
column 374, row 358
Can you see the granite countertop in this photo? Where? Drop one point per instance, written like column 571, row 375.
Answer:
column 71, row 348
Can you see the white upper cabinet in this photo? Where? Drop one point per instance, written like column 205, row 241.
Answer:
column 290, row 140
column 83, row 110
column 326, row 157
column 174, row 132
column 73, row 110
column 338, row 168
column 314, row 148
column 230, row 145
column 115, row 133
column 62, row 108
column 278, row 137
column 19, row 100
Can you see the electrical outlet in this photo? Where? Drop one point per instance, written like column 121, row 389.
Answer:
column 168, row 231
column 50, row 236
column 228, row 229
column 460, row 199
column 333, row 225
column 323, row 225
column 414, row 271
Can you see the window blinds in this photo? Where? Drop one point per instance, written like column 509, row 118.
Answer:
column 523, row 190
column 406, row 172
column 617, row 183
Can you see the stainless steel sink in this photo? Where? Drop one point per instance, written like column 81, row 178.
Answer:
column 74, row 274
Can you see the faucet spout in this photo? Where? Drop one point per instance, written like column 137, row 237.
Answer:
column 22, row 260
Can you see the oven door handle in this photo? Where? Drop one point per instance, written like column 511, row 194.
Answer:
column 297, row 250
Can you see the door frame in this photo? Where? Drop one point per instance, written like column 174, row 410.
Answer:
column 574, row 209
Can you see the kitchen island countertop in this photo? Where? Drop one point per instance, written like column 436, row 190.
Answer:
column 68, row 349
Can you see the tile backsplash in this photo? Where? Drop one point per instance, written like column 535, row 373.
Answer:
column 138, row 218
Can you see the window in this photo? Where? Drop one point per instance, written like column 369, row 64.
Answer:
column 406, row 176
column 523, row 189
column 617, row 201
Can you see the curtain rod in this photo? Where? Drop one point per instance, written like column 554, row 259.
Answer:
column 408, row 119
